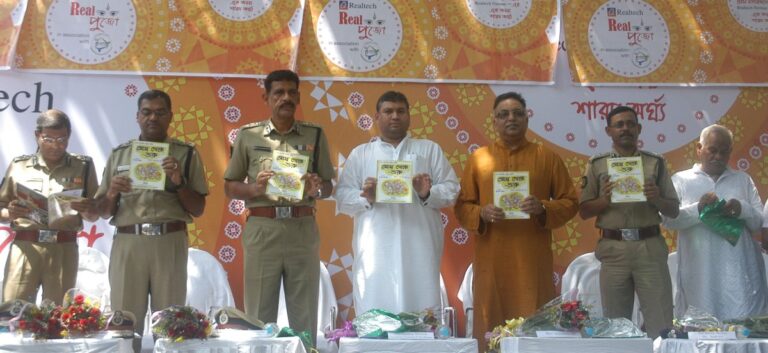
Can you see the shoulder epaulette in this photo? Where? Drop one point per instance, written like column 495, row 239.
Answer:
column 81, row 157
column 23, row 157
column 307, row 123
column 599, row 156
column 122, row 145
column 253, row 125
column 183, row 143
column 651, row 154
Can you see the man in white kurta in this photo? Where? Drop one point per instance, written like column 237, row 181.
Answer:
column 397, row 247
column 725, row 280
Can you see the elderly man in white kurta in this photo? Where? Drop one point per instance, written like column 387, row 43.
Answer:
column 397, row 247
column 713, row 275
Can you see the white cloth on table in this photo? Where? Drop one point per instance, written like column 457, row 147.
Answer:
column 207, row 284
column 397, row 247
column 232, row 341
column 10, row 342
column 677, row 345
column 575, row 345
column 722, row 279
column 582, row 278
column 366, row 345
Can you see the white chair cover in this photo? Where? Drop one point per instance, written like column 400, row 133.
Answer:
column 465, row 290
column 583, row 277
column 672, row 263
column 326, row 304
column 207, row 284
column 93, row 274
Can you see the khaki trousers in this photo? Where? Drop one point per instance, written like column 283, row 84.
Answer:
column 284, row 249
column 30, row 265
column 636, row 266
column 142, row 265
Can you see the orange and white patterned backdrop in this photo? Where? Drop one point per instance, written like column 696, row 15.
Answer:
column 208, row 111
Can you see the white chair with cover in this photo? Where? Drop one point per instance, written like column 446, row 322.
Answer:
column 465, row 296
column 207, row 284
column 327, row 309
column 672, row 263
column 93, row 274
column 583, row 277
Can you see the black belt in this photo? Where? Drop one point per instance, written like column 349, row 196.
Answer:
column 280, row 212
column 47, row 236
column 632, row 233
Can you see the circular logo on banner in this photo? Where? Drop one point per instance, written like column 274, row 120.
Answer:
column 499, row 14
column 359, row 35
column 753, row 15
column 90, row 31
column 240, row 10
column 629, row 37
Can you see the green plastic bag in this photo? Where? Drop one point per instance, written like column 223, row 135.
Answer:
column 729, row 228
column 375, row 323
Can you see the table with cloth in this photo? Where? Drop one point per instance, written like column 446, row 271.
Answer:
column 232, row 341
column 11, row 342
column 677, row 345
column 368, row 345
column 576, row 345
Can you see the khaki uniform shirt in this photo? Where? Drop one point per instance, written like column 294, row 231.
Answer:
column 252, row 153
column 73, row 173
column 153, row 206
column 631, row 214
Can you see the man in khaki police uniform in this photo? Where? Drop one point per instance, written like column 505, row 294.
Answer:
column 41, row 254
column 632, row 251
column 281, row 238
column 149, row 251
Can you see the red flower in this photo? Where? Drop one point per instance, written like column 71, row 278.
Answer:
column 79, row 299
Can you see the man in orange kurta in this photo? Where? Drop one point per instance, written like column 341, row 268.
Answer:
column 513, row 257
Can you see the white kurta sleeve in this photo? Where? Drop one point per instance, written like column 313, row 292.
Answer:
column 347, row 195
column 689, row 209
column 750, row 209
column 445, row 186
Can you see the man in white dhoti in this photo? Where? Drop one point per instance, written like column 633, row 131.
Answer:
column 397, row 246
column 722, row 279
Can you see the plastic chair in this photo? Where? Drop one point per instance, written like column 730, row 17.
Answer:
column 465, row 296
column 583, row 277
column 93, row 274
column 207, row 284
column 327, row 310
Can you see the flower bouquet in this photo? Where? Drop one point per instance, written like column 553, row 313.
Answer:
column 510, row 329
column 557, row 315
column 39, row 322
column 81, row 314
column 181, row 322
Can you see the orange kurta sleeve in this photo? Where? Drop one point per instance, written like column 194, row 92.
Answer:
column 564, row 203
column 467, row 208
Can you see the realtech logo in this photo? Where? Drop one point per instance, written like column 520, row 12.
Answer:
column 75, row 9
column 21, row 101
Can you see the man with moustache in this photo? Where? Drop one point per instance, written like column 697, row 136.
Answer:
column 513, row 257
column 149, row 251
column 395, row 242
column 281, row 238
column 42, row 254
column 632, row 251
column 738, row 289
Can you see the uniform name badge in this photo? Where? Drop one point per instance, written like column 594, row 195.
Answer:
column 288, row 168
column 509, row 191
column 394, row 181
column 627, row 176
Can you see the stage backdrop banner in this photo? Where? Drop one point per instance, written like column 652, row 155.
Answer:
column 11, row 17
column 430, row 40
column 704, row 42
column 208, row 112
column 189, row 37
